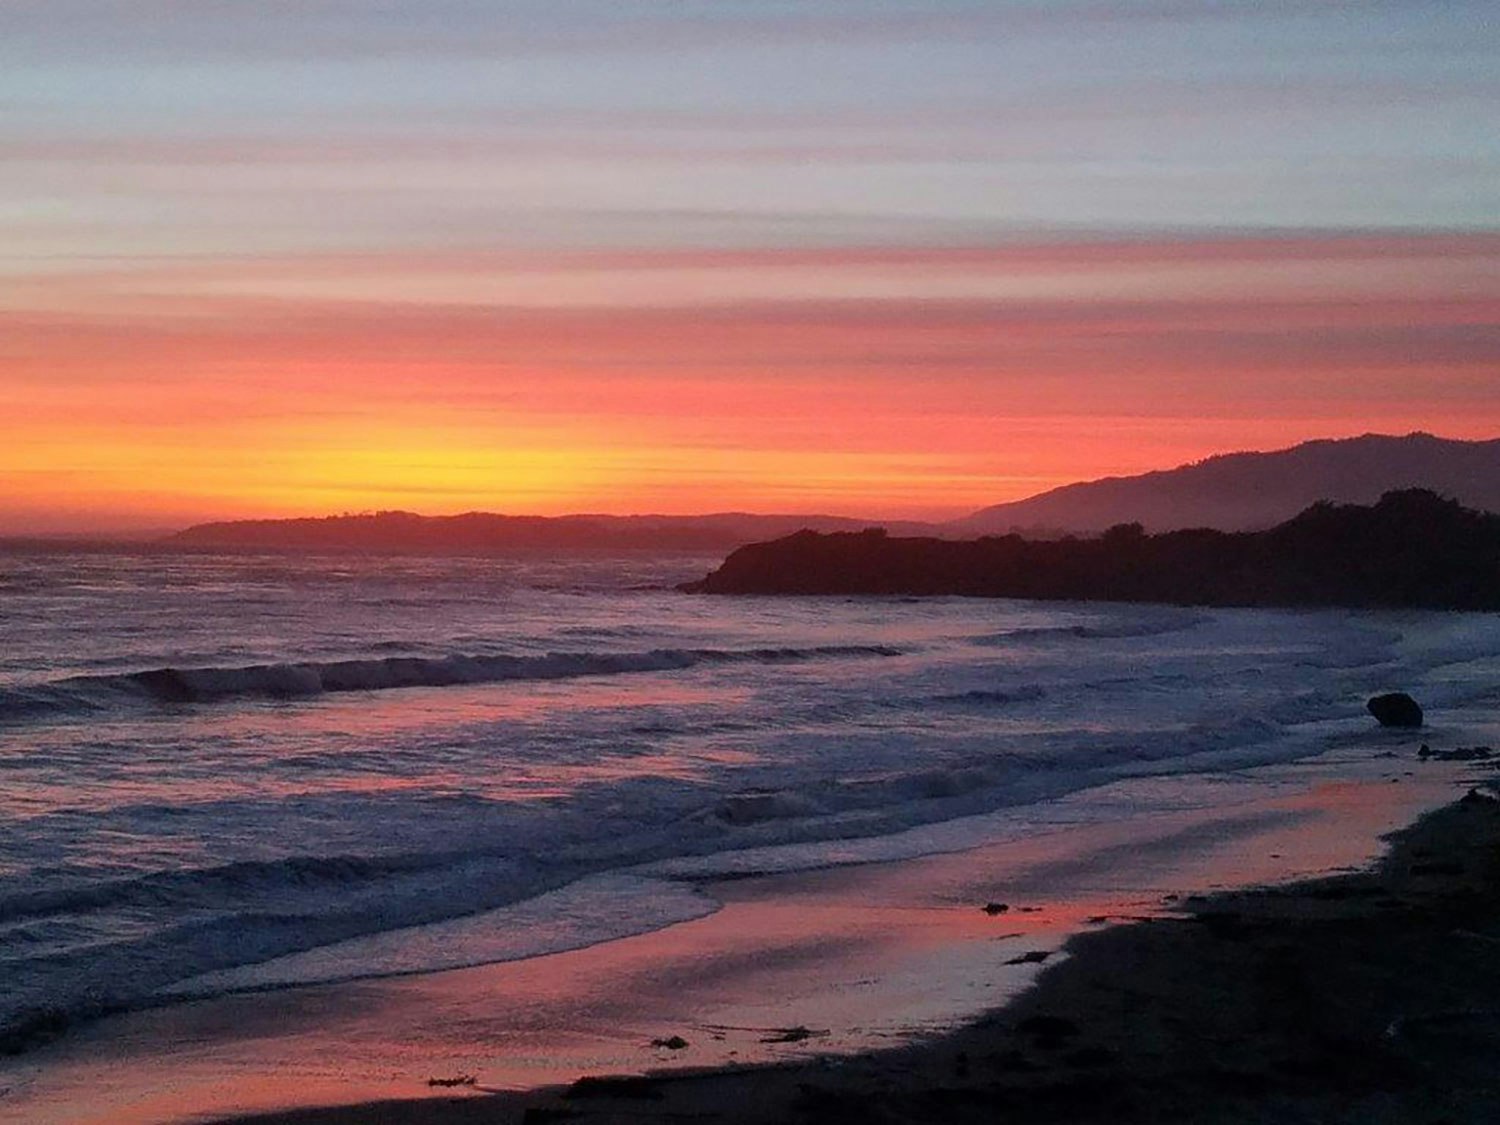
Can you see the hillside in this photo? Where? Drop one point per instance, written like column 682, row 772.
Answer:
column 1412, row 549
column 1246, row 491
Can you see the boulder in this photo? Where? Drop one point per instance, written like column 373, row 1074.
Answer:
column 1457, row 754
column 1396, row 709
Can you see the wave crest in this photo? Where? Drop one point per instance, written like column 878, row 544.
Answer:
column 304, row 679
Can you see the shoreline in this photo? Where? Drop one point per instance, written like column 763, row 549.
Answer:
column 1368, row 997
column 877, row 955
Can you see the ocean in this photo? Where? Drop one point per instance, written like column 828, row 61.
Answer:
column 251, row 771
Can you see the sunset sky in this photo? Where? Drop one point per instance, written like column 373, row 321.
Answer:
column 877, row 257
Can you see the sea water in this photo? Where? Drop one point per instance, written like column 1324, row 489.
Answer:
column 235, row 771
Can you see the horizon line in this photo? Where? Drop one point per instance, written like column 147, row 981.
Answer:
column 160, row 532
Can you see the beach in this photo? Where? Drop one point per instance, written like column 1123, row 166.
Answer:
column 1093, row 972
column 1368, row 997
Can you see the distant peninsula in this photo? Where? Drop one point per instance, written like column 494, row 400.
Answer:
column 1230, row 492
column 481, row 532
column 1412, row 548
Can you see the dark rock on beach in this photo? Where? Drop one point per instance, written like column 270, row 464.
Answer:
column 790, row 1035
column 1030, row 957
column 1396, row 709
column 1457, row 754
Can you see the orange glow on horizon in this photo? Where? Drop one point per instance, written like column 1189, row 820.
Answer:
column 170, row 394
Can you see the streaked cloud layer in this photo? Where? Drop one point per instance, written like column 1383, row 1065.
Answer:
column 266, row 257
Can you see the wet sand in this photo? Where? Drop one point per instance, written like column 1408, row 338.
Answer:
column 1160, row 1004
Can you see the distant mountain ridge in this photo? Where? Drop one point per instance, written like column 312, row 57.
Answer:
column 1230, row 492
column 485, row 531
column 1250, row 491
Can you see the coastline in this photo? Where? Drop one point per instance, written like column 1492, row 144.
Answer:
column 838, row 949
column 1368, row 997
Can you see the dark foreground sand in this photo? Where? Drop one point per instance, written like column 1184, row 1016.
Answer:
column 1367, row 998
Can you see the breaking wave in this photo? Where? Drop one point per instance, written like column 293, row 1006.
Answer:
column 307, row 679
column 1175, row 622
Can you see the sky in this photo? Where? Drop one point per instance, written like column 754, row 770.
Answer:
column 874, row 257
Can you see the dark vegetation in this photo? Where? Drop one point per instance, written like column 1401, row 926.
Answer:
column 1411, row 549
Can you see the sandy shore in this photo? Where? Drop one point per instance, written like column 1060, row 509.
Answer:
column 1148, row 1003
column 1367, row 998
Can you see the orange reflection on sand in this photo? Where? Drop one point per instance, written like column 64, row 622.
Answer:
column 869, row 954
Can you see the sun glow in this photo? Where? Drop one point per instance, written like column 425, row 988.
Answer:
column 146, row 397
